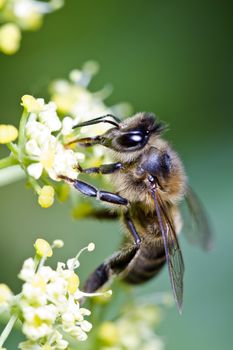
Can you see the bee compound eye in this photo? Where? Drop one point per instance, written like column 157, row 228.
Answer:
column 132, row 139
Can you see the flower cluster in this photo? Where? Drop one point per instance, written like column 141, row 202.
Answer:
column 49, row 303
column 45, row 150
column 133, row 330
column 18, row 15
column 74, row 98
column 46, row 129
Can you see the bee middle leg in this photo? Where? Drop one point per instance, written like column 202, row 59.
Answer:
column 131, row 228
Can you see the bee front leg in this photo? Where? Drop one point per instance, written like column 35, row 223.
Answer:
column 103, row 169
column 91, row 191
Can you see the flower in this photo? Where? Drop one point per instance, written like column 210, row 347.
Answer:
column 20, row 15
column 73, row 97
column 10, row 37
column 49, row 303
column 108, row 333
column 58, row 243
column 5, row 297
column 8, row 133
column 133, row 330
column 31, row 104
column 46, row 150
column 43, row 248
column 46, row 197
column 67, row 126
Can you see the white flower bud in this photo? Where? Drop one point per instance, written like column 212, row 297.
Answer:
column 67, row 126
column 91, row 247
column 28, row 270
column 35, row 170
column 58, row 243
column 32, row 148
column 86, row 326
column 73, row 264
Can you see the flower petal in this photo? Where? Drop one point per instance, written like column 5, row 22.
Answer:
column 35, row 170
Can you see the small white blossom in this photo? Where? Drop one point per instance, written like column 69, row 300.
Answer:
column 74, row 98
column 28, row 270
column 5, row 297
column 45, row 150
column 58, row 243
column 73, row 264
column 49, row 117
column 133, row 330
column 18, row 15
column 35, row 170
column 50, row 301
column 67, row 126
column 37, row 131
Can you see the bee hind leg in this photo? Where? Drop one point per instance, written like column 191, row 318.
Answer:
column 113, row 266
column 117, row 263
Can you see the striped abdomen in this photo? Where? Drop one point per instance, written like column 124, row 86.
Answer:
column 146, row 264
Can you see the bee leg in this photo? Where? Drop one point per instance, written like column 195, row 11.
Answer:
column 85, row 142
column 101, row 214
column 130, row 226
column 116, row 264
column 91, row 191
column 103, row 169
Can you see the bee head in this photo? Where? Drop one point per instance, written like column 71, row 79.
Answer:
column 133, row 133
column 126, row 136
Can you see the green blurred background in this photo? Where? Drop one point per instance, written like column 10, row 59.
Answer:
column 170, row 57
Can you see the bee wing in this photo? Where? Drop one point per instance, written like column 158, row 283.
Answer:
column 173, row 253
column 198, row 230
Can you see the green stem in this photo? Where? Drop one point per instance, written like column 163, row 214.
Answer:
column 8, row 161
column 7, row 330
column 11, row 174
column 13, row 148
column 22, row 126
column 34, row 184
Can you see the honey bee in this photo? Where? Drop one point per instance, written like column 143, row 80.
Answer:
column 151, row 182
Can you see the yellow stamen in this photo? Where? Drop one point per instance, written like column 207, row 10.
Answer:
column 10, row 36
column 5, row 293
column 46, row 196
column 43, row 248
column 108, row 333
column 39, row 282
column 30, row 104
column 73, row 283
column 8, row 133
column 47, row 159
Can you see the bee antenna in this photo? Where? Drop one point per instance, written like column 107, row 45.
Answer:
column 100, row 120
column 160, row 127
